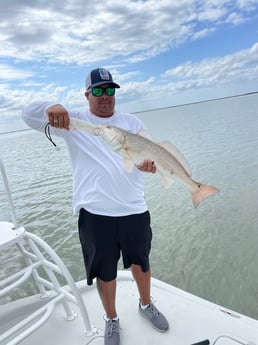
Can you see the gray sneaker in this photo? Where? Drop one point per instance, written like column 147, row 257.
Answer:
column 112, row 335
column 157, row 319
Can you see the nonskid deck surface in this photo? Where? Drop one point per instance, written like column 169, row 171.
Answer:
column 191, row 319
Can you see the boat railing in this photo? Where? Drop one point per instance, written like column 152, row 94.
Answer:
column 46, row 269
column 8, row 192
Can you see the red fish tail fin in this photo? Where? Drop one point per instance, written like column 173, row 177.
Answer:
column 203, row 192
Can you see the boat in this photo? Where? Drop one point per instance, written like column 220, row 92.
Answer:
column 65, row 312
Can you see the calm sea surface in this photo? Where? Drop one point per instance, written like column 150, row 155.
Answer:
column 210, row 251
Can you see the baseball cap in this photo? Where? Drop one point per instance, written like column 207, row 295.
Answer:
column 99, row 76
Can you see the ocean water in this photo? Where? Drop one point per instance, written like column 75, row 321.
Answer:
column 210, row 251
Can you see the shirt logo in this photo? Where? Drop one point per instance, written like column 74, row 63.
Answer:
column 104, row 75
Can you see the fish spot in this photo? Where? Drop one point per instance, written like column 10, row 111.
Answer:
column 171, row 172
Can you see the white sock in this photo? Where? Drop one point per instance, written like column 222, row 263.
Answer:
column 144, row 306
column 113, row 319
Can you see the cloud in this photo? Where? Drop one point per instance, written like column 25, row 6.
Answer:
column 202, row 33
column 247, row 5
column 212, row 70
column 50, row 40
column 8, row 72
column 83, row 32
column 236, row 69
column 235, row 18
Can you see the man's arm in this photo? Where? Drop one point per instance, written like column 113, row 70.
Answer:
column 38, row 114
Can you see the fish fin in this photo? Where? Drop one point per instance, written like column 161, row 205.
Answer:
column 145, row 134
column 129, row 164
column 178, row 155
column 203, row 192
column 167, row 182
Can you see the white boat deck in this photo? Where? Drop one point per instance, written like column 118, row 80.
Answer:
column 191, row 319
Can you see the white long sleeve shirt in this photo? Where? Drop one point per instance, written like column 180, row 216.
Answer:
column 101, row 185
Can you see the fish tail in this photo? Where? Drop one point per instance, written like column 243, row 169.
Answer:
column 202, row 193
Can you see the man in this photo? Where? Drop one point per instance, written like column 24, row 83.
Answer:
column 113, row 216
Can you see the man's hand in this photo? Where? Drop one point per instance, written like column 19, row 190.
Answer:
column 58, row 116
column 148, row 166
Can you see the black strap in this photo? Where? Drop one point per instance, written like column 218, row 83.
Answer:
column 48, row 135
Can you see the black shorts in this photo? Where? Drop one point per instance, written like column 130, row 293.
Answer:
column 103, row 238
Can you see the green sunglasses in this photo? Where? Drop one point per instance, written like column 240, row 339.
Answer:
column 98, row 91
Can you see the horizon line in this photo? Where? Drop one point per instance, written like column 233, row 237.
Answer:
column 197, row 102
column 161, row 108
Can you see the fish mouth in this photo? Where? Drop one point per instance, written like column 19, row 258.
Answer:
column 99, row 131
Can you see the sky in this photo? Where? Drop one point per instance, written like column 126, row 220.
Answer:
column 162, row 52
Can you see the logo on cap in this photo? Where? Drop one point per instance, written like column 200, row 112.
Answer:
column 104, row 75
